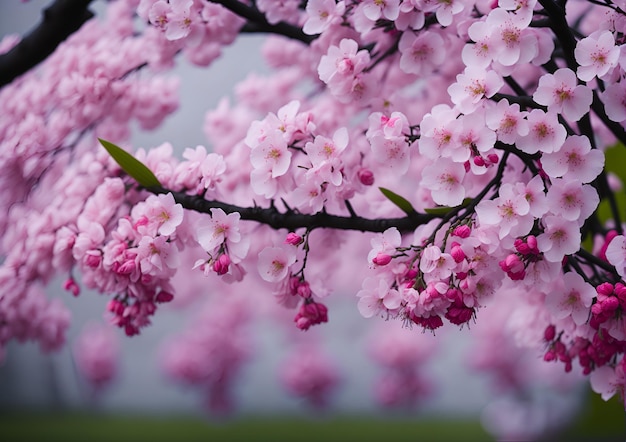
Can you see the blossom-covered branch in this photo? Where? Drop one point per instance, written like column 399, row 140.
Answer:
column 60, row 20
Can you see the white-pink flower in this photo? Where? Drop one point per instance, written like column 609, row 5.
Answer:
column 573, row 299
column 509, row 213
column 507, row 120
column 220, row 229
column 560, row 237
column 435, row 264
column 574, row 160
column 444, row 179
column 572, row 200
column 421, row 53
column 614, row 99
column 376, row 297
column 472, row 86
column 273, row 263
column 596, row 54
column 385, row 243
column 562, row 94
column 616, row 254
column 322, row 14
column 272, row 154
column 607, row 380
column 545, row 133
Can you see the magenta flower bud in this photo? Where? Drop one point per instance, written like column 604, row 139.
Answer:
column 479, row 161
column 493, row 158
column 164, row 297
column 462, row 231
column 604, row 290
column 382, row 259
column 532, row 243
column 221, row 265
column 550, row 333
column 304, row 290
column 71, row 286
column 610, row 304
column 294, row 239
column 366, row 177
column 457, row 254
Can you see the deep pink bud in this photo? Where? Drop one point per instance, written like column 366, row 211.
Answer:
column 457, row 254
column 532, row 243
column 92, row 259
column 294, row 239
column 164, row 297
column 479, row 161
column 604, row 290
column 462, row 231
column 221, row 264
column 493, row 158
column 311, row 313
column 550, row 333
column 304, row 290
column 609, row 305
column 382, row 259
column 71, row 286
column 366, row 177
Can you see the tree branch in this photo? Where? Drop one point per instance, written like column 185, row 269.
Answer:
column 291, row 220
column 258, row 23
column 60, row 20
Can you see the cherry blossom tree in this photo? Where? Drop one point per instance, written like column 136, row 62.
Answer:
column 441, row 162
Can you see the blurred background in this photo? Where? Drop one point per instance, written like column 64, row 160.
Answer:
column 46, row 390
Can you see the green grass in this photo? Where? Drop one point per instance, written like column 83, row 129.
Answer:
column 94, row 428
column 600, row 422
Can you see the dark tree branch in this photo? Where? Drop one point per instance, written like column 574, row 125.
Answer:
column 60, row 20
column 258, row 23
column 291, row 220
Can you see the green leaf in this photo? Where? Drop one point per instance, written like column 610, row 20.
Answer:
column 443, row 210
column 131, row 165
column 399, row 201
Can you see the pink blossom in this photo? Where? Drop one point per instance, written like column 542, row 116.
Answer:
column 326, row 152
column 271, row 154
column 385, row 243
column 273, row 263
column 596, row 54
column 545, row 133
column 435, row 264
column 322, row 14
column 560, row 237
column 574, row 160
column 512, row 43
column 439, row 129
column 421, row 53
column 562, row 94
column 376, row 297
column 616, row 254
column 445, row 181
column 573, row 299
column 507, row 120
column 572, row 200
column 342, row 63
column 509, row 213
column 614, row 99
column 473, row 85
column 607, row 380
column 223, row 229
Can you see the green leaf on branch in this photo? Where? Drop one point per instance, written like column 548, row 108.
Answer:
column 399, row 201
column 444, row 210
column 131, row 165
